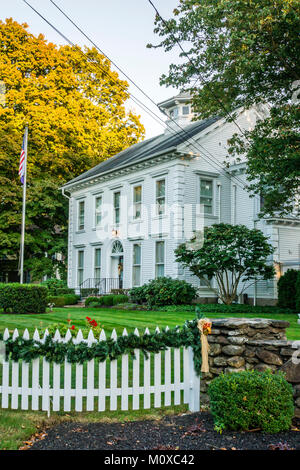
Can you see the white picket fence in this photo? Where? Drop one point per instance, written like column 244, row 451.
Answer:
column 162, row 379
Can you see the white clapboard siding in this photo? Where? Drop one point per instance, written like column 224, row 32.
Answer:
column 56, row 387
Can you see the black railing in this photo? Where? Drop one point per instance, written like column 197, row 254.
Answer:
column 94, row 286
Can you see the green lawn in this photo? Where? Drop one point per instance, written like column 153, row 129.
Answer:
column 17, row 426
column 120, row 319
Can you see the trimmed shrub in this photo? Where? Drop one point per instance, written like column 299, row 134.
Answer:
column 23, row 298
column 93, row 302
column 251, row 399
column 163, row 291
column 120, row 299
column 298, row 293
column 226, row 309
column 65, row 291
column 58, row 301
column 71, row 299
column 287, row 289
column 106, row 300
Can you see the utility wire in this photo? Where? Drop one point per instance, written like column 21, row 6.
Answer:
column 137, row 101
column 199, row 72
column 134, row 83
column 196, row 69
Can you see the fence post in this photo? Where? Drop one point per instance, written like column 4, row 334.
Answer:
column 194, row 384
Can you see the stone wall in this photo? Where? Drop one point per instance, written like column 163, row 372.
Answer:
column 242, row 344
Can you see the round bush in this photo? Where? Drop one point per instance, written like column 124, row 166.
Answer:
column 251, row 399
column 163, row 291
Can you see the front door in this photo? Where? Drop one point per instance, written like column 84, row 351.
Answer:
column 120, row 272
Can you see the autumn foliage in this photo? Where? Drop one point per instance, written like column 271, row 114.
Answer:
column 74, row 105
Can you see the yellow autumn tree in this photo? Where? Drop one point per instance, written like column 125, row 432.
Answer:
column 74, row 105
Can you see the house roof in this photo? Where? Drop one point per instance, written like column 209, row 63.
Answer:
column 153, row 146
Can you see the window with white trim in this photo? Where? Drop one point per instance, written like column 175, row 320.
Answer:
column 80, row 267
column 185, row 110
column 160, row 259
column 98, row 211
column 136, row 265
column 97, row 263
column 117, row 207
column 137, row 202
column 81, row 215
column 206, row 195
column 160, row 196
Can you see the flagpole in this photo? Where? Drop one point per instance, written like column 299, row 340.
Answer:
column 23, row 210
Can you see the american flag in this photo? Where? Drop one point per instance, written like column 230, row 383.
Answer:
column 22, row 162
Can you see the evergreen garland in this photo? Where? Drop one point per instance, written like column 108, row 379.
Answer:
column 54, row 351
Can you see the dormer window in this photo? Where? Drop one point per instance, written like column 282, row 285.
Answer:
column 174, row 113
column 185, row 110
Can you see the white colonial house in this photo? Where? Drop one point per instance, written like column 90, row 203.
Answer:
column 129, row 213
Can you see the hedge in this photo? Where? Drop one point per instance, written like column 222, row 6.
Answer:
column 106, row 300
column 56, row 301
column 23, row 298
column 226, row 309
column 163, row 291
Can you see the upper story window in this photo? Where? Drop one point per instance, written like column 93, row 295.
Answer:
column 81, row 215
column 98, row 210
column 160, row 196
column 206, row 195
column 185, row 110
column 117, row 207
column 137, row 202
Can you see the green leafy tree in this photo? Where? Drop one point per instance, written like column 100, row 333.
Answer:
column 287, row 290
column 75, row 109
column 240, row 53
column 233, row 254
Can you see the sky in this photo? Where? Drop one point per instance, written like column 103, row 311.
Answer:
column 121, row 28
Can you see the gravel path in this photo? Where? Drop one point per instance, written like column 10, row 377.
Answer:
column 184, row 432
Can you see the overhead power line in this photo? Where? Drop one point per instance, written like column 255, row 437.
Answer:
column 212, row 161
